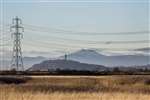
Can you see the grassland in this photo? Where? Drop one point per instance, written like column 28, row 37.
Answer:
column 78, row 88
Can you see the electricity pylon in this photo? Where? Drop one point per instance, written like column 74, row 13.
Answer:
column 17, row 61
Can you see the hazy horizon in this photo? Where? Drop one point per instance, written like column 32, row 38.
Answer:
column 53, row 28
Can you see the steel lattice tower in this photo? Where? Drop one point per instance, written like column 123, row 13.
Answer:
column 17, row 61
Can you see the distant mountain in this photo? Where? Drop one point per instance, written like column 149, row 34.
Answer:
column 93, row 57
column 90, row 57
column 27, row 61
column 143, row 67
column 65, row 64
column 143, row 49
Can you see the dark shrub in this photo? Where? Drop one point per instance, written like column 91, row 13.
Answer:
column 13, row 80
column 147, row 82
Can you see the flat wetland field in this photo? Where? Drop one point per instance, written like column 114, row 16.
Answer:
column 115, row 87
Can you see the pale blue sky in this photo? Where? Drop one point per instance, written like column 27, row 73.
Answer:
column 103, row 16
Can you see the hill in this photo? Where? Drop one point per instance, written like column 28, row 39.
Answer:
column 65, row 64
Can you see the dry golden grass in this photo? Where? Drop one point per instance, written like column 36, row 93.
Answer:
column 73, row 96
column 79, row 88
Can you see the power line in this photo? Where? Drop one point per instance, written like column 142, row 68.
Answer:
column 38, row 28
column 58, row 30
column 71, row 46
column 93, row 42
column 75, row 41
column 46, row 29
column 62, row 41
column 4, row 44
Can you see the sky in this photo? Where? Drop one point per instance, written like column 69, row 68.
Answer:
column 55, row 27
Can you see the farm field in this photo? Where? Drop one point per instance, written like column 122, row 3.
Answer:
column 123, row 87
